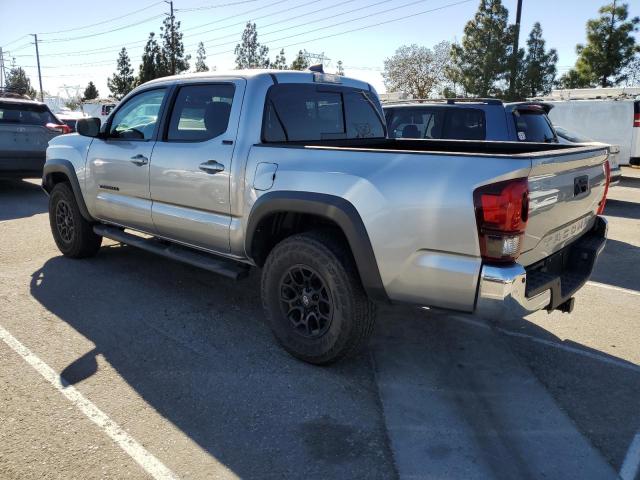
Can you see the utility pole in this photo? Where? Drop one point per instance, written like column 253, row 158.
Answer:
column 514, row 55
column 35, row 36
column 1, row 68
column 172, row 42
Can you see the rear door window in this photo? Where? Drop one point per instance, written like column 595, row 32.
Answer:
column 533, row 126
column 464, row 124
column 201, row 112
column 26, row 114
column 309, row 112
column 416, row 123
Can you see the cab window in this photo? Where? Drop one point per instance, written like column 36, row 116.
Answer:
column 309, row 112
column 200, row 112
column 137, row 118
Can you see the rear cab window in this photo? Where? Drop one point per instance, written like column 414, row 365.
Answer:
column 26, row 114
column 437, row 123
column 313, row 112
column 533, row 125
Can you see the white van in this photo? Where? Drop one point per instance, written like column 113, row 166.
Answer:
column 607, row 120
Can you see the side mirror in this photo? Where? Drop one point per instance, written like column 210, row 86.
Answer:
column 88, row 127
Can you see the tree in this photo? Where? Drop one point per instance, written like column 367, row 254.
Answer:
column 632, row 72
column 73, row 103
column 482, row 59
column 417, row 71
column 90, row 92
column 201, row 57
column 610, row 46
column 573, row 79
column 281, row 61
column 340, row 70
column 250, row 53
column 123, row 80
column 300, row 62
column 173, row 59
column 152, row 65
column 18, row 82
column 539, row 66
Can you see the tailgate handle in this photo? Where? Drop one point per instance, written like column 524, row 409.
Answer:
column 580, row 185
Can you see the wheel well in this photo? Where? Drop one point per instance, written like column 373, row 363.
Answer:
column 275, row 227
column 52, row 179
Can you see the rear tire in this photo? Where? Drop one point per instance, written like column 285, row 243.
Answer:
column 313, row 298
column 74, row 236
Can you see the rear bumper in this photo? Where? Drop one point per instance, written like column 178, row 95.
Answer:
column 508, row 291
column 22, row 164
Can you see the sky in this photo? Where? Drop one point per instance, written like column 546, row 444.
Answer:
column 79, row 41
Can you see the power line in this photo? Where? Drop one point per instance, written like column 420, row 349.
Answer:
column 80, row 37
column 329, row 18
column 424, row 12
column 194, row 9
column 233, row 16
column 342, row 2
column 102, row 22
column 14, row 41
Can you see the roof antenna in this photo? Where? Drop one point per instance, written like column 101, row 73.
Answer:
column 317, row 68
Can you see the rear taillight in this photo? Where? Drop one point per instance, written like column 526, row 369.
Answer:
column 62, row 128
column 607, row 176
column 636, row 120
column 502, row 211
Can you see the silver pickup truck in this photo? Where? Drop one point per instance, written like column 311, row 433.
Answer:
column 292, row 172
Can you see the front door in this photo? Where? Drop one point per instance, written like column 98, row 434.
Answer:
column 191, row 165
column 118, row 164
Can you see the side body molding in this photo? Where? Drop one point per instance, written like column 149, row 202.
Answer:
column 58, row 165
column 334, row 208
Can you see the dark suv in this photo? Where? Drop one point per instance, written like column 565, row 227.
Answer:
column 26, row 127
column 470, row 119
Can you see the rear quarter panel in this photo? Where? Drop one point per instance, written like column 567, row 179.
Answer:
column 417, row 209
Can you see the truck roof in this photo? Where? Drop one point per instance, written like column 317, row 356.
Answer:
column 294, row 76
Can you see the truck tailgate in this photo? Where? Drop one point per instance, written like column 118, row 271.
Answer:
column 565, row 191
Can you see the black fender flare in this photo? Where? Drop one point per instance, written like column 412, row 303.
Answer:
column 59, row 165
column 334, row 208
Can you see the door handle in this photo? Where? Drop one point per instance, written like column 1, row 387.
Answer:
column 139, row 160
column 211, row 167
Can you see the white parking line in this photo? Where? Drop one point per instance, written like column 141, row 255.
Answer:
column 631, row 464
column 549, row 343
column 146, row 460
column 611, row 287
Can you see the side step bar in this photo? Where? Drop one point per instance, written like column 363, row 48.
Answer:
column 212, row 263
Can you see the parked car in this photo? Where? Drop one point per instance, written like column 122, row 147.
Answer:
column 470, row 119
column 568, row 137
column 26, row 127
column 292, row 172
column 70, row 118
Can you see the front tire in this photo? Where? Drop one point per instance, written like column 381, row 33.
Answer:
column 313, row 298
column 73, row 235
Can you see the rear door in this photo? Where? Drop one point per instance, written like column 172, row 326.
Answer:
column 191, row 165
column 118, row 178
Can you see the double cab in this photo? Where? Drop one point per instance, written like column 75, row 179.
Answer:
column 293, row 173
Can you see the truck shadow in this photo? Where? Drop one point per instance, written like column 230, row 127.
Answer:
column 618, row 265
column 195, row 347
column 472, row 377
column 20, row 199
column 622, row 209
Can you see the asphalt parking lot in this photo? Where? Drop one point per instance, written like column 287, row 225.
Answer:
column 128, row 365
